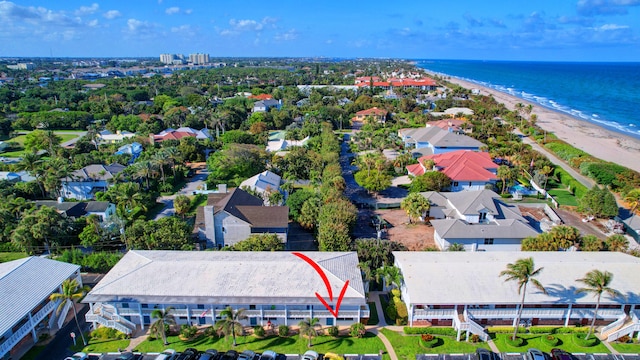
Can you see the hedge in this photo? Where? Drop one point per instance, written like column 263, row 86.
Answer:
column 447, row 331
column 550, row 340
column 505, row 329
column 428, row 341
column 577, row 188
column 517, row 342
column 579, row 339
column 571, row 330
column 565, row 151
column 543, row 329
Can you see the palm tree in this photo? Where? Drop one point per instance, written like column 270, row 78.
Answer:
column 504, row 173
column 164, row 317
column 633, row 198
column 391, row 275
column 522, row 271
column 416, row 205
column 31, row 162
column 597, row 282
column 71, row 292
column 308, row 328
column 230, row 322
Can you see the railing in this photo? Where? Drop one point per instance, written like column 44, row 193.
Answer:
column 543, row 313
column 6, row 346
column 475, row 328
column 468, row 325
column 613, row 325
column 602, row 313
column 633, row 327
column 63, row 314
column 108, row 323
column 419, row 314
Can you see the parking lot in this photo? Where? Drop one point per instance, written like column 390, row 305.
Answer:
column 152, row 356
column 519, row 356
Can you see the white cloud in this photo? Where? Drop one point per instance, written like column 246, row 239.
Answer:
column 172, row 10
column 245, row 25
column 608, row 27
column 92, row 23
column 112, row 14
column 287, row 36
column 249, row 25
column 136, row 25
column 188, row 11
column 87, row 10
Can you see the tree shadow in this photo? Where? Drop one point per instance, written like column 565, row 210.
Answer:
column 564, row 294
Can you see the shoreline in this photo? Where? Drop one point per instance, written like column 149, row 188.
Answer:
column 598, row 141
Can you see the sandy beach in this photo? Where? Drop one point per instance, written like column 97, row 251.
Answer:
column 600, row 142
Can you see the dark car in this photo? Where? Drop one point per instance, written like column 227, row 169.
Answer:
column 535, row 354
column 230, row 355
column 188, row 354
column 247, row 355
column 126, row 356
column 484, row 354
column 559, row 354
column 210, row 354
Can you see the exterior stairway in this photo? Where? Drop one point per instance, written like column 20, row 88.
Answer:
column 105, row 315
column 623, row 326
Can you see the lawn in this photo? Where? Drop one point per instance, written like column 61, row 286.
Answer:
column 627, row 348
column 33, row 352
column 408, row 346
column 564, row 197
column 20, row 140
column 534, row 341
column 101, row 346
column 369, row 344
column 373, row 314
column 10, row 256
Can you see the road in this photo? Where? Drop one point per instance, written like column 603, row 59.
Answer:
column 58, row 348
column 195, row 183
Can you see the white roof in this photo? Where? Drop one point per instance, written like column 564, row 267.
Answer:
column 474, row 277
column 226, row 277
column 263, row 181
column 25, row 283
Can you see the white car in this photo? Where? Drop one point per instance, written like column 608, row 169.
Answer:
column 77, row 356
column 168, row 354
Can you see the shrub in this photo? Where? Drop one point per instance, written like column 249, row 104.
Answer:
column 106, row 333
column 571, row 330
column 211, row 332
column 333, row 331
column 428, row 341
column 391, row 311
column 517, row 342
column 401, row 321
column 258, row 331
column 188, row 332
column 474, row 338
column 543, row 329
column 550, row 340
column 45, row 336
column 447, row 331
column 624, row 339
column 283, row 330
column 395, row 293
column 505, row 329
column 357, row 330
column 579, row 339
column 401, row 308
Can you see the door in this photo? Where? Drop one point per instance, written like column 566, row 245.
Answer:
column 202, row 320
column 253, row 321
column 329, row 321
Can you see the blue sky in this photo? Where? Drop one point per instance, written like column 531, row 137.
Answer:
column 556, row 30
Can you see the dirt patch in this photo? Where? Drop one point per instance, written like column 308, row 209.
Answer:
column 415, row 237
column 535, row 212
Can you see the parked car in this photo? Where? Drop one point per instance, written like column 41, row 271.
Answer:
column 535, row 354
column 559, row 354
column 77, row 356
column 168, row 354
column 269, row 355
column 247, row 355
column 210, row 354
column 310, row 355
column 188, row 354
column 484, row 354
column 230, row 355
column 126, row 356
column 333, row 356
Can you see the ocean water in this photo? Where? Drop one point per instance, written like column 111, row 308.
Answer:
column 606, row 94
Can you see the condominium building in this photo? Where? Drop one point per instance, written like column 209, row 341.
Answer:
column 198, row 59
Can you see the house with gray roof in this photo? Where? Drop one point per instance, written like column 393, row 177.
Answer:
column 479, row 220
column 434, row 140
column 264, row 184
column 465, row 290
column 279, row 288
column 266, row 105
column 229, row 218
column 25, row 308
column 104, row 210
column 84, row 183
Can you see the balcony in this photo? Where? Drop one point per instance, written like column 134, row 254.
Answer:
column 15, row 338
column 422, row 314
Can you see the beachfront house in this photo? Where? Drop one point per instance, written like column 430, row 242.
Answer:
column 465, row 290
column 434, row 140
column 478, row 220
column 276, row 288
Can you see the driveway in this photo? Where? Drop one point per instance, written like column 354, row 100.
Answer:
column 195, row 183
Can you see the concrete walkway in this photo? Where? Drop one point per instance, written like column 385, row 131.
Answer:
column 375, row 329
column 138, row 337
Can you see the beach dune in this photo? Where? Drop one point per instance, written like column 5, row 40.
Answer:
column 597, row 141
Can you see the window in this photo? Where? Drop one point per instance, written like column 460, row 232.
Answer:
column 455, row 184
column 488, row 241
column 200, row 306
column 125, row 305
column 252, row 307
column 483, row 216
column 144, row 306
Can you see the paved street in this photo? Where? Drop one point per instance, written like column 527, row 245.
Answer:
column 193, row 184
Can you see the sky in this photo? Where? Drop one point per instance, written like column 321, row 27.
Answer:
column 541, row 30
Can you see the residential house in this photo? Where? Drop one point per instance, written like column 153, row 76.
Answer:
column 274, row 288
column 104, row 210
column 9, row 176
column 229, row 218
column 177, row 134
column 459, row 126
column 478, row 220
column 27, row 312
column 266, row 105
column 631, row 224
column 108, row 137
column 466, row 290
column 280, row 146
column 263, row 183
column 260, row 97
column 434, row 140
column 133, row 150
column 84, row 183
column 378, row 115
column 468, row 170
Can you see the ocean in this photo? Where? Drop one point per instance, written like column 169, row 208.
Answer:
column 606, row 94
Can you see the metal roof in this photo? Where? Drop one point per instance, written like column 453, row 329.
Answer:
column 228, row 277
column 25, row 283
column 474, row 277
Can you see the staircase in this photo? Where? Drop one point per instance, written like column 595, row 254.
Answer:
column 623, row 326
column 105, row 315
column 462, row 322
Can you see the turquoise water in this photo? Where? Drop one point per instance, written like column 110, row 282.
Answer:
column 607, row 94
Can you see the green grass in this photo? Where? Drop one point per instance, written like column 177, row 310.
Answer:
column 408, row 346
column 33, row 352
column 626, row 348
column 10, row 256
column 534, row 341
column 373, row 314
column 564, row 197
column 369, row 344
column 101, row 346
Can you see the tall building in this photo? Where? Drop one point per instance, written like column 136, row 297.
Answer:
column 167, row 58
column 198, row 59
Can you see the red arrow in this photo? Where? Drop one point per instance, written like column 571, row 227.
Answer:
column 327, row 284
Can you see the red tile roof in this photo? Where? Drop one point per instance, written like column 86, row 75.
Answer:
column 372, row 111
column 460, row 165
column 261, row 97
